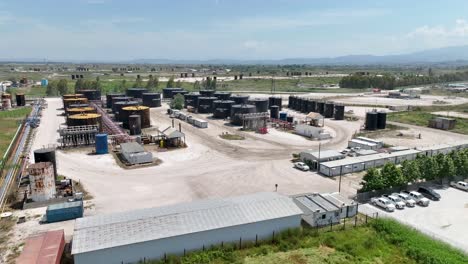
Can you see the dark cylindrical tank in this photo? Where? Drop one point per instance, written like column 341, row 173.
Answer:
column 275, row 100
column 237, row 110
column 182, row 92
column 117, row 100
column 20, row 99
column 260, row 103
column 119, row 105
column 69, row 96
column 329, row 108
column 313, row 105
column 222, row 95
column 283, row 116
column 239, row 99
column 381, row 120
column 142, row 111
column 320, row 107
column 339, row 112
column 156, row 102
column 84, row 120
column 91, row 95
column 371, row 120
column 80, row 110
column 303, row 108
column 148, row 99
column 290, row 119
column 101, row 144
column 290, row 101
column 79, row 105
column 134, row 124
column 274, row 111
column 222, row 108
column 46, row 155
column 205, row 104
column 168, row 92
column 136, row 92
column 191, row 99
column 69, row 101
column 110, row 96
column 207, row 93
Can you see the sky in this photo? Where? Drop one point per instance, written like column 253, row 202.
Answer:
column 114, row 30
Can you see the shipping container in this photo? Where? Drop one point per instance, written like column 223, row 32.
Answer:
column 43, row 248
column 199, row 123
column 64, row 211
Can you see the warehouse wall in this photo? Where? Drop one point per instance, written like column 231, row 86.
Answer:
column 175, row 245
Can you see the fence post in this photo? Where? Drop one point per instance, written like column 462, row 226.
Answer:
column 366, row 219
column 355, row 220
column 273, row 239
column 240, row 243
column 256, row 240
column 184, row 252
column 331, row 226
column 344, row 224
column 222, row 244
column 144, row 260
column 165, row 257
column 203, row 247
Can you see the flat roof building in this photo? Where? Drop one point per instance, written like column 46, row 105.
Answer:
column 151, row 233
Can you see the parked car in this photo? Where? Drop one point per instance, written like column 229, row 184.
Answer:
column 302, row 166
column 398, row 202
column 418, row 198
column 460, row 185
column 429, row 193
column 406, row 198
column 384, row 203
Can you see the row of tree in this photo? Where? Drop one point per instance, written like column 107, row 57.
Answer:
column 57, row 87
column 422, row 168
column 387, row 81
column 82, row 84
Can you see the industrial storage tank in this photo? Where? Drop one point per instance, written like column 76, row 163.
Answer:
column 91, row 95
column 149, row 97
column 207, row 93
column 283, row 116
column 260, row 103
column 156, row 102
column 79, row 105
column 142, row 111
column 191, row 99
column 312, row 105
column 237, row 110
column 239, row 99
column 328, row 111
column 46, row 155
column 290, row 119
column 339, row 112
column 222, row 95
column 222, row 108
column 182, row 92
column 205, row 104
column 320, row 108
column 69, row 96
column 119, row 105
column 116, row 101
column 381, row 120
column 80, row 110
column 290, row 101
column 136, row 92
column 110, row 96
column 371, row 120
column 274, row 111
column 134, row 125
column 275, row 100
column 84, row 120
column 168, row 92
column 20, row 99
column 304, row 103
column 101, row 144
column 69, row 101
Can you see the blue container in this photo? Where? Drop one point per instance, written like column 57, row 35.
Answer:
column 44, row 82
column 101, row 144
column 283, row 116
column 64, row 211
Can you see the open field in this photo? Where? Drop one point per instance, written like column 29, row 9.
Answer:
column 9, row 124
column 421, row 118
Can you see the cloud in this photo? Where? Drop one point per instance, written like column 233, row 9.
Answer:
column 459, row 30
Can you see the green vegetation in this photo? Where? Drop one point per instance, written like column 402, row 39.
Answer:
column 422, row 168
column 9, row 121
column 177, row 102
column 380, row 241
column 421, row 118
column 228, row 136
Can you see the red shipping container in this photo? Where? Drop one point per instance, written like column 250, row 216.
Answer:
column 43, row 248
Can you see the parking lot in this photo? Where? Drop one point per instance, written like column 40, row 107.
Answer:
column 444, row 220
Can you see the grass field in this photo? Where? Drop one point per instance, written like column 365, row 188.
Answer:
column 9, row 124
column 381, row 241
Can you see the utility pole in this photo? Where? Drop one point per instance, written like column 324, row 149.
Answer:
column 318, row 162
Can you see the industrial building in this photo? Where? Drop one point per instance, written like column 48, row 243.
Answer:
column 155, row 232
column 41, row 181
column 442, row 149
column 361, row 163
column 312, row 132
column 314, row 157
column 365, row 143
column 443, row 123
column 325, row 209
column 134, row 153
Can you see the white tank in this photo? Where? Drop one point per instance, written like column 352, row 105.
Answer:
column 41, row 181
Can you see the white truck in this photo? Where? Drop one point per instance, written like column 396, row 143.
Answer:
column 460, row 185
column 418, row 198
column 383, row 203
column 399, row 204
column 405, row 198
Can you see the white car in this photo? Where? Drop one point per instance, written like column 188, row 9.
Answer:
column 384, row 203
column 460, row 185
column 419, row 198
column 406, row 198
column 397, row 201
column 302, row 166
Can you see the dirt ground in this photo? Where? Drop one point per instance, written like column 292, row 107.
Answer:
column 451, row 114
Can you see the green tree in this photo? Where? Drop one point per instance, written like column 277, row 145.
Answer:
column 410, row 170
column 177, row 102
column 51, row 89
column 429, row 168
column 79, row 85
column 138, row 82
column 448, row 168
column 123, row 86
column 178, row 84
column 392, row 175
column 372, row 180
column 196, row 86
column 62, row 86
column 170, row 82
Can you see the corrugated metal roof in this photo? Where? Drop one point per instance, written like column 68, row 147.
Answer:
column 106, row 231
column 64, row 205
column 43, row 248
column 131, row 147
column 361, row 159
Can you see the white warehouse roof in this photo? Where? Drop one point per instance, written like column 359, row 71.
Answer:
column 119, row 229
column 361, row 159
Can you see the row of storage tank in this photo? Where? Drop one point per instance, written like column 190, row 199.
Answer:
column 7, row 100
column 326, row 109
column 376, row 120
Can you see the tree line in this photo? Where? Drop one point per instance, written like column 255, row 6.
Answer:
column 423, row 168
column 388, row 82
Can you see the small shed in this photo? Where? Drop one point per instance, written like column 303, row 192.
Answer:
column 64, row 211
column 443, row 123
column 134, row 153
column 315, row 119
column 314, row 157
column 311, row 132
column 173, row 137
